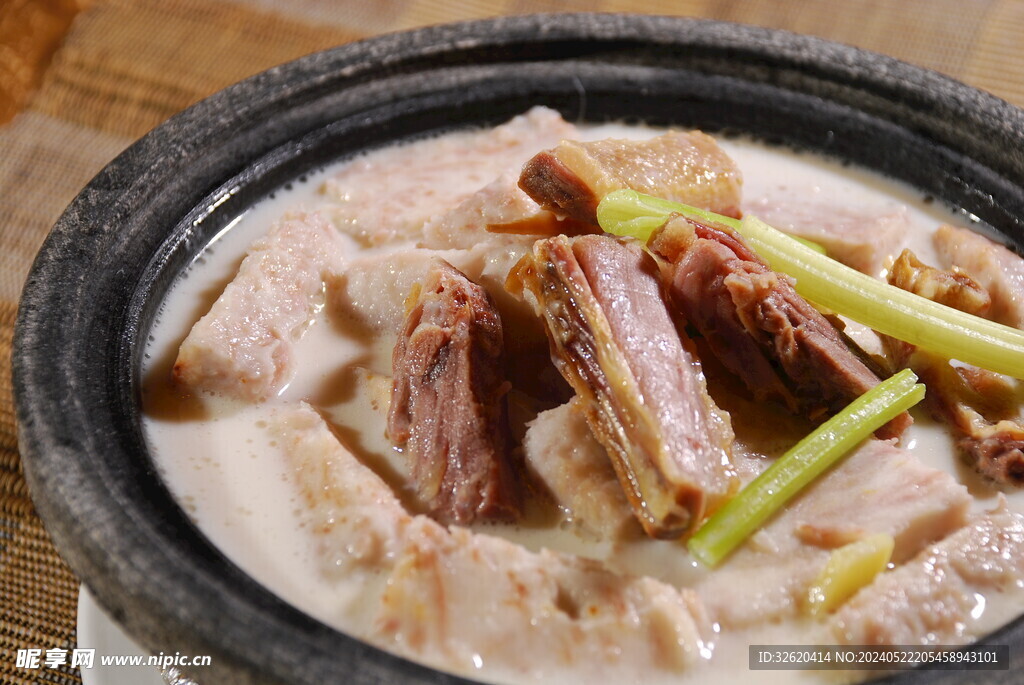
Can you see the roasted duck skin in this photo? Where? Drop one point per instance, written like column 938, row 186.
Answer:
column 643, row 391
column 982, row 406
column 687, row 166
column 953, row 287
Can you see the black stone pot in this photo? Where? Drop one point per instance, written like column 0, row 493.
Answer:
column 95, row 287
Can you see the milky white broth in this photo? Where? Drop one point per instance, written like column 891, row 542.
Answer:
column 224, row 469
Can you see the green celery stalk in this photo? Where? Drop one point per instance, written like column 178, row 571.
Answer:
column 638, row 215
column 746, row 512
column 629, row 213
column 887, row 309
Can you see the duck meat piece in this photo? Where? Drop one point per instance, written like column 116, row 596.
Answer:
column 983, row 407
column 498, row 215
column 878, row 488
column 355, row 517
column 451, row 597
column 686, row 166
column 939, row 597
column 863, row 237
column 367, row 297
column 244, row 347
column 448, row 407
column 456, row 598
column 644, row 394
column 996, row 449
column 994, row 267
column 565, row 460
column 953, row 288
column 758, row 326
column 438, row 172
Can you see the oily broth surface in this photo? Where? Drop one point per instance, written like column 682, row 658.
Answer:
column 225, row 470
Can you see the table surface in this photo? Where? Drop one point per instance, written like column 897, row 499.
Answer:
column 81, row 79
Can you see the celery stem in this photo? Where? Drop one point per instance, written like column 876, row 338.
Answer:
column 917, row 320
column 808, row 459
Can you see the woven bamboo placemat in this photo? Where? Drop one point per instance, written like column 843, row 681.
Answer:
column 81, row 79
